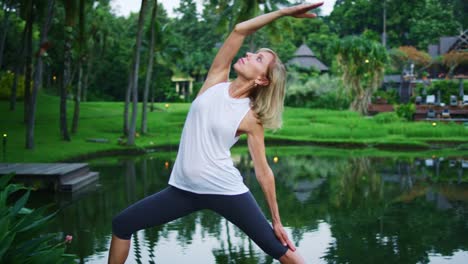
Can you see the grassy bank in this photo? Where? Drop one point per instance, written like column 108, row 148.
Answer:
column 103, row 120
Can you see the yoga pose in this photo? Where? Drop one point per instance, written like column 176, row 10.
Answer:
column 204, row 176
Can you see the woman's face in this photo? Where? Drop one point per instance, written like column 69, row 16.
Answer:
column 254, row 65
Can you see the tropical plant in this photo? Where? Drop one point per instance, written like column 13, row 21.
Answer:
column 410, row 55
column 388, row 96
column 416, row 23
column 405, row 111
column 232, row 12
column 453, row 59
column 82, row 55
column 6, row 82
column 20, row 238
column 322, row 91
column 362, row 62
column 387, row 117
column 43, row 46
column 70, row 21
column 6, row 5
column 149, row 70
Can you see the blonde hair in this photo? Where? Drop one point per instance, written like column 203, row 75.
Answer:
column 268, row 101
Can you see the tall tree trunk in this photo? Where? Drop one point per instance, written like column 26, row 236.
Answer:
column 89, row 67
column 14, row 87
column 76, row 112
column 136, row 64
column 19, row 68
column 70, row 8
column 38, row 74
column 81, row 61
column 152, row 93
column 149, row 72
column 5, row 26
column 128, row 93
column 85, row 83
column 93, row 54
column 65, row 82
column 28, row 62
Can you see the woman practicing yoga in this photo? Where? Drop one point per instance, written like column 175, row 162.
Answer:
column 204, row 176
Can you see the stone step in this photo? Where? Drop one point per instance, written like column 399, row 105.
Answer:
column 72, row 174
column 77, row 182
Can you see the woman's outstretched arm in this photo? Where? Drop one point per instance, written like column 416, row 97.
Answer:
column 219, row 70
column 264, row 174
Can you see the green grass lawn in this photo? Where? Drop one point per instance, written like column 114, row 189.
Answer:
column 301, row 126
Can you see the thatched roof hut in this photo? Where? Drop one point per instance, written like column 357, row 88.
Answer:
column 305, row 58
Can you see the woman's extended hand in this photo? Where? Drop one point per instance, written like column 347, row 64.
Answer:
column 300, row 11
column 283, row 237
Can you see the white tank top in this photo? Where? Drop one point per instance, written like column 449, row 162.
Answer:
column 203, row 164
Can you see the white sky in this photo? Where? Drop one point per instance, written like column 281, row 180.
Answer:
column 124, row 7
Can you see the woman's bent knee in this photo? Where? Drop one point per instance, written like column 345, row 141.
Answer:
column 120, row 228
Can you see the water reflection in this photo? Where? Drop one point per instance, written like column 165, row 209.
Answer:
column 336, row 210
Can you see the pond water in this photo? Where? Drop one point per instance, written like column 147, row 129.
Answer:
column 335, row 209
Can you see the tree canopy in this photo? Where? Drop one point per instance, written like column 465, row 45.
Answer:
column 185, row 44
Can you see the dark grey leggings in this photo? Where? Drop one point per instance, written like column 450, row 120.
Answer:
column 171, row 203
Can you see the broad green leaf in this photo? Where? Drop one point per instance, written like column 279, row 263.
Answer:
column 5, row 179
column 19, row 204
column 37, row 223
column 6, row 244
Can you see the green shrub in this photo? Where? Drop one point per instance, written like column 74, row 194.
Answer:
column 405, row 111
column 6, row 82
column 322, row 91
column 387, row 117
column 391, row 96
column 20, row 237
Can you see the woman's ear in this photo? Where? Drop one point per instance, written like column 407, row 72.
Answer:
column 262, row 81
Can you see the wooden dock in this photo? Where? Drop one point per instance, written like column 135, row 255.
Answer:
column 67, row 177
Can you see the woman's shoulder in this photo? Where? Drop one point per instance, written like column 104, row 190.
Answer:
column 216, row 86
column 251, row 123
column 220, row 84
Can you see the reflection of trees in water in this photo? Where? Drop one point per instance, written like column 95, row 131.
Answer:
column 130, row 174
column 406, row 233
column 357, row 184
column 89, row 218
column 305, row 174
column 228, row 252
column 369, row 221
column 379, row 210
column 151, row 236
column 393, row 220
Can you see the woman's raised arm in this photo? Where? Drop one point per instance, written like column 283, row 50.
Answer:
column 219, row 70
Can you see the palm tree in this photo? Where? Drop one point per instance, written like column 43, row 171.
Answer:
column 144, row 122
column 43, row 45
column 5, row 26
column 232, row 12
column 166, row 54
column 29, row 13
column 70, row 16
column 128, row 93
column 18, row 67
column 82, row 54
column 134, row 75
column 24, row 9
column 99, row 35
column 362, row 62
